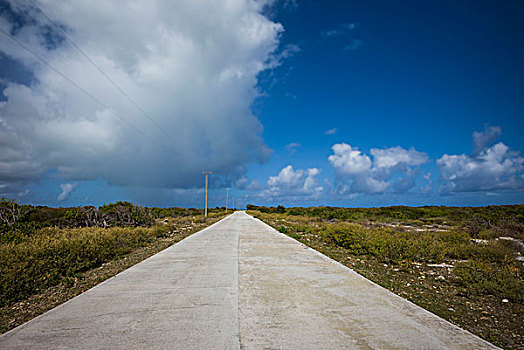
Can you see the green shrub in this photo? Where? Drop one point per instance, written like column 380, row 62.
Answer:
column 50, row 254
column 294, row 236
column 349, row 236
column 502, row 279
column 487, row 267
column 386, row 244
column 508, row 220
column 283, row 229
column 280, row 209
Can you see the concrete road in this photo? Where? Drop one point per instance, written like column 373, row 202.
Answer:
column 239, row 284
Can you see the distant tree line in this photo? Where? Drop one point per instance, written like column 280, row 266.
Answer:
column 24, row 218
column 474, row 219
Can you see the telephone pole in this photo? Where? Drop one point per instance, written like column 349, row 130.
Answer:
column 207, row 173
column 227, row 197
column 233, row 202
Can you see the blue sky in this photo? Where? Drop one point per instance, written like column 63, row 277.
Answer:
column 347, row 103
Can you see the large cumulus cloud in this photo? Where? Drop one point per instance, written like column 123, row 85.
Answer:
column 294, row 183
column 492, row 166
column 392, row 168
column 191, row 65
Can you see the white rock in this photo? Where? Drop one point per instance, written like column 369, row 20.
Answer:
column 440, row 265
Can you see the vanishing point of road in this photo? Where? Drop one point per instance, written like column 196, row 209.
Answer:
column 239, row 284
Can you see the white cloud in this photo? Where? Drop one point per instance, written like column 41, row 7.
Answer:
column 493, row 168
column 288, row 4
column 356, row 173
column 395, row 156
column 343, row 29
column 66, row 191
column 192, row 65
column 490, row 167
column 331, row 33
column 244, row 183
column 348, row 160
column 294, row 183
column 346, row 33
column 331, row 131
column 253, row 186
column 288, row 51
column 428, row 187
column 404, row 184
column 292, row 147
column 348, row 26
column 483, row 140
column 368, row 184
column 241, row 183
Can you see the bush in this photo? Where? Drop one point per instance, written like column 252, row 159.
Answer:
column 283, row 229
column 125, row 214
column 348, row 236
column 502, row 279
column 385, row 244
column 486, row 268
column 11, row 216
column 50, row 254
column 507, row 219
column 16, row 219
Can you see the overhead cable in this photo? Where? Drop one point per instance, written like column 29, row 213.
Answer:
column 104, row 74
column 96, row 100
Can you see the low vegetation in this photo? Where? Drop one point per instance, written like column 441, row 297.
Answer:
column 17, row 220
column 53, row 254
column 44, row 248
column 464, row 264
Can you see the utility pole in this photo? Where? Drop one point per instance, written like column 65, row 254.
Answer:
column 227, row 197
column 233, row 202
column 207, row 173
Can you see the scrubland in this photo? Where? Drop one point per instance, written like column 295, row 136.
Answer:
column 49, row 255
column 463, row 264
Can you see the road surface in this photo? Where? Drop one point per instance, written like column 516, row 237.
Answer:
column 239, row 284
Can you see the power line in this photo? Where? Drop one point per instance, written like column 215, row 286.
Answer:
column 77, row 47
column 96, row 100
